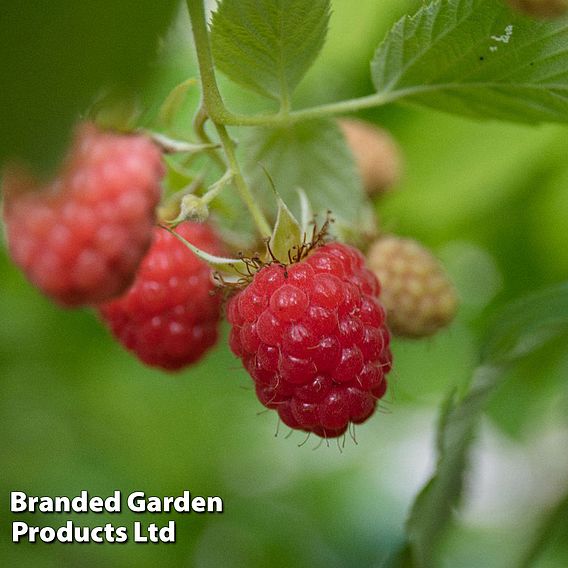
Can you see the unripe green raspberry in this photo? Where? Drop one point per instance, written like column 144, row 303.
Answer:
column 416, row 291
column 541, row 8
column 376, row 153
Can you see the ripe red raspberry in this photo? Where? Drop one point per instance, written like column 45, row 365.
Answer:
column 313, row 337
column 80, row 237
column 169, row 317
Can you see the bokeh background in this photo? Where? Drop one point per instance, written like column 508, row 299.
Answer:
column 77, row 412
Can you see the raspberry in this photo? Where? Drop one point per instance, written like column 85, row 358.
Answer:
column 541, row 8
column 80, row 238
column 169, row 317
column 419, row 297
column 376, row 154
column 313, row 337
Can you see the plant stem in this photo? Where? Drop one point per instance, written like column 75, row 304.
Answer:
column 172, row 146
column 212, row 101
column 240, row 183
column 199, row 121
column 320, row 111
column 217, row 187
column 214, row 108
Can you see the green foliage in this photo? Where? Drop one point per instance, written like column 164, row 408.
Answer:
column 54, row 58
column 433, row 507
column 519, row 330
column 527, row 324
column 312, row 156
column 479, row 59
column 553, row 530
column 268, row 45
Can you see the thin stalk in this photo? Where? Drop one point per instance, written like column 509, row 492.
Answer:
column 217, row 187
column 215, row 109
column 172, row 146
column 212, row 100
column 321, row 111
column 199, row 121
column 240, row 183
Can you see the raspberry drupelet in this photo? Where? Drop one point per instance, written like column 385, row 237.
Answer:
column 170, row 316
column 313, row 337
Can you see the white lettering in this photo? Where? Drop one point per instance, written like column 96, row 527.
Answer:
column 136, row 502
column 112, row 504
column 214, row 505
column 18, row 502
column 138, row 536
column 18, row 529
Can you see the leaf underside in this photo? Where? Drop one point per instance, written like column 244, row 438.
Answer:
column 312, row 156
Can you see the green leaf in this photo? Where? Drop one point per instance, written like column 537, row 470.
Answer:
column 477, row 58
column 268, row 45
column 527, row 324
column 54, row 58
column 400, row 558
column 517, row 331
column 432, row 509
column 287, row 234
column 310, row 155
column 554, row 528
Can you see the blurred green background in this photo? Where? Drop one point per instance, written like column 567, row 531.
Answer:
column 77, row 412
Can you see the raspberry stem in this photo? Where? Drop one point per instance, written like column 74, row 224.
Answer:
column 212, row 100
column 240, row 183
column 171, row 146
column 216, row 188
column 283, row 118
column 215, row 109
column 199, row 121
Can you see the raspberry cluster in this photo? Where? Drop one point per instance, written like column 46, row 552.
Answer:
column 81, row 238
column 170, row 315
column 418, row 294
column 313, row 337
column 311, row 333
